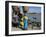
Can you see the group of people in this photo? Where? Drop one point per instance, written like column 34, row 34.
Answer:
column 19, row 18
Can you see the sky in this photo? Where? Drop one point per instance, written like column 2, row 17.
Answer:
column 33, row 9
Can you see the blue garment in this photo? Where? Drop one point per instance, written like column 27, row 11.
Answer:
column 25, row 23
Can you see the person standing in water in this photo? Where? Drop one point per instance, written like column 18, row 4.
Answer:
column 25, row 10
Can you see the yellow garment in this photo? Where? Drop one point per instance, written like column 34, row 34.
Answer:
column 25, row 17
column 22, row 22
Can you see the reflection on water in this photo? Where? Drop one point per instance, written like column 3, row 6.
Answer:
column 34, row 16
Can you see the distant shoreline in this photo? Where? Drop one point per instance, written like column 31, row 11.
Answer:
column 34, row 13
